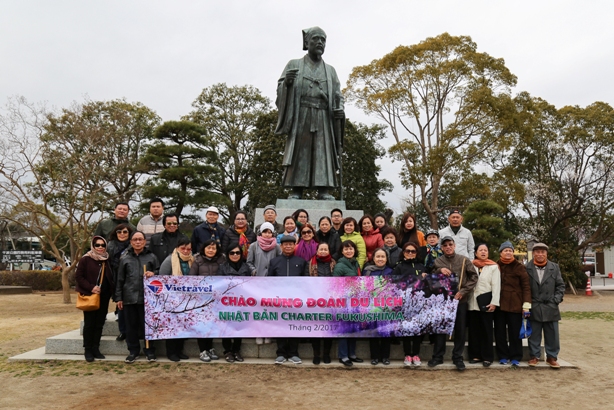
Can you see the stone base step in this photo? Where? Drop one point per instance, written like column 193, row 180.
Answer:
column 72, row 343
column 39, row 354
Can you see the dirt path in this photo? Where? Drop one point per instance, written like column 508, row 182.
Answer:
column 587, row 340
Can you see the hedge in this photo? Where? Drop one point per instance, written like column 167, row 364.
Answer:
column 44, row 280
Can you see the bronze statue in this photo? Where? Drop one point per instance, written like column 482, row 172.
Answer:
column 311, row 115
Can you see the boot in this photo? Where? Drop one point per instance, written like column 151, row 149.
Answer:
column 89, row 355
column 96, row 353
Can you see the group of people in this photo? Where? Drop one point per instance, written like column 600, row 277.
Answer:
column 494, row 297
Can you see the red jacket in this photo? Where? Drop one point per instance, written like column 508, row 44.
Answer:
column 373, row 240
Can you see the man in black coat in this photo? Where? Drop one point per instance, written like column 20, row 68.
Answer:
column 547, row 291
column 288, row 264
column 163, row 243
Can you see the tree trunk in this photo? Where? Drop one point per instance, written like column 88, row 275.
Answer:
column 65, row 285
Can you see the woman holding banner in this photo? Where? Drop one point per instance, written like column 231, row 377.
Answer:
column 207, row 263
column 178, row 263
column 379, row 346
column 412, row 271
column 348, row 265
column 234, row 266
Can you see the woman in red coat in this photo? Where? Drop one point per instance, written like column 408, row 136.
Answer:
column 370, row 234
column 88, row 281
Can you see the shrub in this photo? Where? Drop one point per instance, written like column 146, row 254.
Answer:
column 45, row 280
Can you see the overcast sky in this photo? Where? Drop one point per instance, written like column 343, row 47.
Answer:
column 164, row 53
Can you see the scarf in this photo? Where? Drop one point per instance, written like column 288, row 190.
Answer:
column 213, row 230
column 177, row 266
column 540, row 265
column 315, row 259
column 243, row 241
column 236, row 265
column 506, row 261
column 432, row 253
column 481, row 263
column 267, row 244
column 95, row 255
column 306, row 250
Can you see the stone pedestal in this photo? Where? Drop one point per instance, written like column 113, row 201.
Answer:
column 315, row 208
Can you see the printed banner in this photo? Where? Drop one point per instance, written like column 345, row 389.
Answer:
column 236, row 306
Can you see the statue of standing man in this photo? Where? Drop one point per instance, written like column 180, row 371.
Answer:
column 311, row 115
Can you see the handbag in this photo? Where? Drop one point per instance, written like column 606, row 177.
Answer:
column 484, row 300
column 525, row 329
column 92, row 302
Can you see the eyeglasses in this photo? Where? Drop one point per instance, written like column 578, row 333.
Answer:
column 172, row 223
column 100, row 245
column 308, row 232
column 123, row 232
column 410, row 251
column 234, row 253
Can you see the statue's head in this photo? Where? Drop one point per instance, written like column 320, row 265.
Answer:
column 314, row 41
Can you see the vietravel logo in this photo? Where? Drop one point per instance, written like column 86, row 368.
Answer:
column 155, row 286
column 158, row 287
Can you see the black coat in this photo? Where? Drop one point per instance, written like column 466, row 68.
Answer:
column 202, row 233
column 129, row 286
column 203, row 266
column 231, row 236
column 333, row 241
column 288, row 266
column 164, row 243
column 226, row 269
column 546, row 296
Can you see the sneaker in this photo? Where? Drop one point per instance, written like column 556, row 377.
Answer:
column 460, row 365
column 212, row 354
column 503, row 362
column 416, row 361
column 230, row 358
column 238, row 357
column 204, row 356
column 295, row 360
column 280, row 360
column 131, row 358
column 151, row 358
column 407, row 361
column 434, row 362
column 259, row 341
column 515, row 363
column 385, row 361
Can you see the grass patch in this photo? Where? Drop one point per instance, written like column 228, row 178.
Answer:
column 608, row 316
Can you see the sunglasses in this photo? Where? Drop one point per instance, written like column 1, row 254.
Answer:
column 100, row 245
column 410, row 251
column 307, row 232
column 234, row 253
column 123, row 232
column 172, row 223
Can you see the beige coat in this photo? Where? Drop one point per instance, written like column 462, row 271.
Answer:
column 488, row 281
